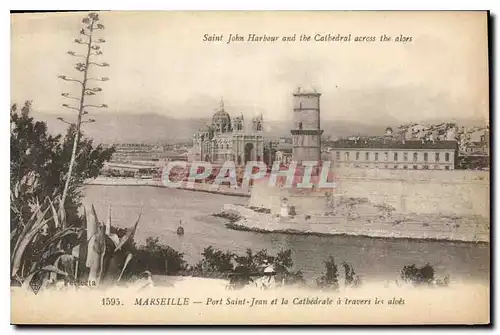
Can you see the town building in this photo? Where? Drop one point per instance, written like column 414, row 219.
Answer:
column 229, row 139
column 432, row 132
column 395, row 154
column 474, row 148
column 284, row 151
column 474, row 141
column 128, row 152
column 131, row 170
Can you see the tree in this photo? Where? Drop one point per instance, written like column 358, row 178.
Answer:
column 38, row 164
column 90, row 25
column 45, row 158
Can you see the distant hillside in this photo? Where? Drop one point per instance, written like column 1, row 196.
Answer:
column 155, row 128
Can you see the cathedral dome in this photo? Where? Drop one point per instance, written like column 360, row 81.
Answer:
column 221, row 121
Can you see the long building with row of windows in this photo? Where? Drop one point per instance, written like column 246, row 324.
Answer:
column 393, row 154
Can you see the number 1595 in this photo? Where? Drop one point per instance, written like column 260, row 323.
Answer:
column 110, row 301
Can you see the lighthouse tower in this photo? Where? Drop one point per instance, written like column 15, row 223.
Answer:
column 306, row 126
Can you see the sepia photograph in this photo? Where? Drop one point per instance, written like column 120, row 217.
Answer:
column 250, row 168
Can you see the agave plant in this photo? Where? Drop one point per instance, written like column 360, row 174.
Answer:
column 46, row 251
column 107, row 256
column 22, row 193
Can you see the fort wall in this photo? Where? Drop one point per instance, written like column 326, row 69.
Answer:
column 435, row 192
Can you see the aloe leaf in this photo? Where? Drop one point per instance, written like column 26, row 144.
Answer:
column 96, row 249
column 127, row 260
column 92, row 223
column 108, row 223
column 19, row 253
column 55, row 216
column 129, row 236
column 26, row 228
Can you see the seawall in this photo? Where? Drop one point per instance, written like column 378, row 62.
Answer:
column 198, row 187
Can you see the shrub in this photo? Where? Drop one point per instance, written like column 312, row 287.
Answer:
column 213, row 264
column 329, row 280
column 282, row 263
column 239, row 268
column 351, row 278
column 418, row 276
column 260, row 209
column 231, row 216
column 157, row 258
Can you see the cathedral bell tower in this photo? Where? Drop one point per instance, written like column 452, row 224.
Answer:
column 306, row 126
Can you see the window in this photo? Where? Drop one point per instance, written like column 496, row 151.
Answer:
column 415, row 156
column 447, row 156
column 415, row 167
column 357, row 156
column 386, row 166
column 376, row 156
column 386, row 156
column 425, row 167
column 426, row 156
column 338, row 155
column 346, row 155
column 395, row 166
column 437, row 157
column 405, row 166
column 367, row 156
column 396, row 156
column 446, row 167
column 300, row 125
column 405, row 156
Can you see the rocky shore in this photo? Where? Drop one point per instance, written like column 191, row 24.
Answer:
column 415, row 226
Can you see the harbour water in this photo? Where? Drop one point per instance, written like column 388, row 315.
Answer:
column 373, row 259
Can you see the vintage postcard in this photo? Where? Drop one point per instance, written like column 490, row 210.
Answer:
column 295, row 167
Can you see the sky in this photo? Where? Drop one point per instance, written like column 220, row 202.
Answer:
column 160, row 64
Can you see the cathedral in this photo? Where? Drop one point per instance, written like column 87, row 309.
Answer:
column 229, row 139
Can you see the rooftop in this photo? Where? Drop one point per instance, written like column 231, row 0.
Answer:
column 284, row 147
column 391, row 144
column 300, row 91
